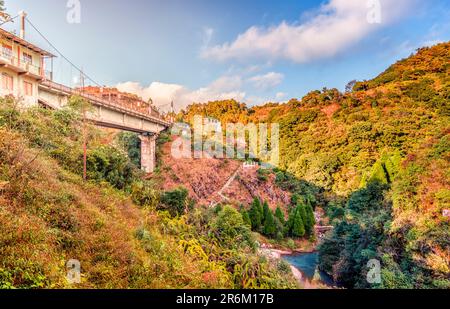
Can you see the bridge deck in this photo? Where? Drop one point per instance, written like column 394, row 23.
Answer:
column 111, row 104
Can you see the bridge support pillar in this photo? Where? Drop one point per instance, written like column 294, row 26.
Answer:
column 148, row 152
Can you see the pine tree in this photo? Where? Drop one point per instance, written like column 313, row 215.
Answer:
column 260, row 205
column 279, row 215
column 266, row 210
column 310, row 219
column 269, row 224
column 246, row 218
column 302, row 210
column 294, row 200
column 279, row 229
column 256, row 214
column 289, row 223
column 260, row 208
column 298, row 229
column 306, row 218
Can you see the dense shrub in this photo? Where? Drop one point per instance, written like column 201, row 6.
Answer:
column 230, row 228
column 175, row 202
column 132, row 144
column 106, row 163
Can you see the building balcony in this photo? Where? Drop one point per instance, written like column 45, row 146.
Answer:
column 23, row 68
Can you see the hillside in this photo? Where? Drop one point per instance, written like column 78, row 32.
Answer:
column 124, row 231
column 377, row 158
column 206, row 179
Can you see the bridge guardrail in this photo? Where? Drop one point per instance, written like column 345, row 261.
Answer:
column 71, row 91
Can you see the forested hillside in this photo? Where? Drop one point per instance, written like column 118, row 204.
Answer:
column 377, row 157
column 124, row 231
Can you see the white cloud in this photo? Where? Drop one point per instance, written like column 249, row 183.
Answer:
column 431, row 43
column 280, row 95
column 256, row 100
column 207, row 37
column 266, row 81
column 331, row 29
column 162, row 94
column 253, row 100
column 224, row 88
column 226, row 83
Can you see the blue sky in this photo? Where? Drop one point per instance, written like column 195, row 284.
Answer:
column 251, row 50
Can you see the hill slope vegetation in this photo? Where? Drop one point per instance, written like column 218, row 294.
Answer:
column 124, row 231
column 378, row 159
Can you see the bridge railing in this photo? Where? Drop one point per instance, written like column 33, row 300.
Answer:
column 101, row 101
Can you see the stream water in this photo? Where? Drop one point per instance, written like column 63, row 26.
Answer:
column 308, row 263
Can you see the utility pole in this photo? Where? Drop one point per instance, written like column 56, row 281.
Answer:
column 84, row 128
column 23, row 16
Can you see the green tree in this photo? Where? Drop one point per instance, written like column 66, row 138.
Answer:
column 294, row 199
column 265, row 211
column 132, row 144
column 302, row 210
column 307, row 215
column 255, row 213
column 269, row 224
column 230, row 228
column 295, row 226
column 279, row 215
column 106, row 163
column 246, row 218
column 353, row 243
column 310, row 220
column 279, row 229
column 261, row 175
column 144, row 193
column 298, row 228
column 175, row 202
column 378, row 173
column 289, row 222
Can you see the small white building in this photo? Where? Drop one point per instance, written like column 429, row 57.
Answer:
column 250, row 164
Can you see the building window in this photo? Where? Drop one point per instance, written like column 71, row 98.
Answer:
column 27, row 58
column 7, row 82
column 28, row 88
column 7, row 51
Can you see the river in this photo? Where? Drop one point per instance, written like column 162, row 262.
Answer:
column 307, row 264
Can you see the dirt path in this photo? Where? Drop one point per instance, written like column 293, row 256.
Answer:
column 226, row 185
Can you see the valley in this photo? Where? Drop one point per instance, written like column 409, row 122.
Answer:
column 363, row 176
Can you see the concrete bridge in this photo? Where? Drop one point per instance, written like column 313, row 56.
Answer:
column 323, row 229
column 110, row 114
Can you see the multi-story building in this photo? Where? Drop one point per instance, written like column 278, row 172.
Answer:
column 22, row 68
column 23, row 75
